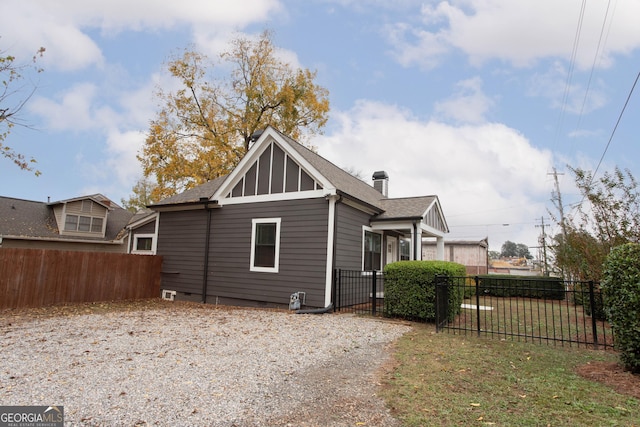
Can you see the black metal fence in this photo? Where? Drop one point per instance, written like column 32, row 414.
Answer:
column 360, row 292
column 542, row 310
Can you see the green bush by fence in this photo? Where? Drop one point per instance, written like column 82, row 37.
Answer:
column 581, row 296
column 621, row 290
column 410, row 290
column 522, row 286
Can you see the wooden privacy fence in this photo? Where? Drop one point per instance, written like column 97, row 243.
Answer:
column 40, row 277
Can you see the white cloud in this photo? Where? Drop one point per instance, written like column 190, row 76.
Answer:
column 554, row 85
column 72, row 111
column 468, row 104
column 122, row 148
column 518, row 32
column 483, row 174
column 63, row 27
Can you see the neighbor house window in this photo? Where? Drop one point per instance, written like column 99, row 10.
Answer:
column 372, row 251
column 143, row 244
column 265, row 244
column 83, row 223
column 96, row 225
column 71, row 223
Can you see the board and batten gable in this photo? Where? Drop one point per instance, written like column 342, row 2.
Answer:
column 272, row 173
column 302, row 257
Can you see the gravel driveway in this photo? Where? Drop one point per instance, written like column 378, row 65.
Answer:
column 181, row 364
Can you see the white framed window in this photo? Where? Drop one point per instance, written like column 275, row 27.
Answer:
column 143, row 244
column 265, row 244
column 371, row 250
column 83, row 223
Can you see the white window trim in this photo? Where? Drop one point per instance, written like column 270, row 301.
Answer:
column 144, row 236
column 371, row 230
column 276, row 263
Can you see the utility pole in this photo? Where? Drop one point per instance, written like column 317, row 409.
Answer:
column 556, row 198
column 543, row 242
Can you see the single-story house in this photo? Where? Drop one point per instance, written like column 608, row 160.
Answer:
column 280, row 223
column 473, row 254
column 87, row 223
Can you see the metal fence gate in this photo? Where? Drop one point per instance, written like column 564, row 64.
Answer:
column 360, row 292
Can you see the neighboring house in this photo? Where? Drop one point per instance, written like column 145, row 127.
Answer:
column 280, row 223
column 88, row 223
column 473, row 255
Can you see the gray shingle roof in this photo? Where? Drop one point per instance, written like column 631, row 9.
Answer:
column 407, row 207
column 27, row 218
column 194, row 194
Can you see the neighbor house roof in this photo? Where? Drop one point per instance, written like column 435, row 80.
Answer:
column 26, row 218
column 33, row 219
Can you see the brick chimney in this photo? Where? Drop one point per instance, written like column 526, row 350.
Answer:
column 381, row 182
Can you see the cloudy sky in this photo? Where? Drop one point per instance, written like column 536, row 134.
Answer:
column 474, row 101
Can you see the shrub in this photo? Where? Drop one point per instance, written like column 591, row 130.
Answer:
column 410, row 291
column 522, row 286
column 621, row 290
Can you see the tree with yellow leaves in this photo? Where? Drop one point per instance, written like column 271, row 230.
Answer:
column 11, row 102
column 204, row 128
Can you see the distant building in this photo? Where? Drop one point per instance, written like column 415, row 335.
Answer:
column 514, row 267
column 473, row 255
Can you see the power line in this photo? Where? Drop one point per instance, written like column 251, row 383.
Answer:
column 616, row 126
column 593, row 65
column 572, row 62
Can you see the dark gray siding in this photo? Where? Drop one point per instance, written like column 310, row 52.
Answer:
column 181, row 239
column 148, row 228
column 349, row 236
column 303, row 252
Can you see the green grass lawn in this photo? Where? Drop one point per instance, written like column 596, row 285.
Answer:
column 455, row 380
column 534, row 320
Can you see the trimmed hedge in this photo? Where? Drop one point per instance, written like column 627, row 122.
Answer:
column 621, row 290
column 410, row 291
column 522, row 286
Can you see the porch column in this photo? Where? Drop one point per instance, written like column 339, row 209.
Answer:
column 416, row 243
column 440, row 248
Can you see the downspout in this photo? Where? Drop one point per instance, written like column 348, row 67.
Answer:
column 335, row 244
column 205, row 272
